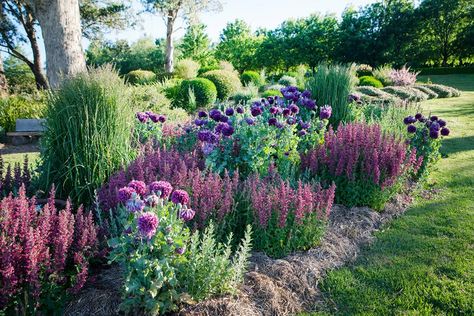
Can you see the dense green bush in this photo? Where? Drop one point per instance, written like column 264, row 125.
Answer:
column 406, row 93
column 186, row 69
column 250, row 76
column 205, row 69
column 271, row 93
column 370, row 81
column 446, row 70
column 287, row 81
column 88, row 134
column 226, row 82
column 18, row 107
column 430, row 93
column 139, row 77
column 383, row 75
column 442, row 90
column 332, row 85
column 203, row 89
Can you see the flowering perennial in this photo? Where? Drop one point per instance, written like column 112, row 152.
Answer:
column 11, row 179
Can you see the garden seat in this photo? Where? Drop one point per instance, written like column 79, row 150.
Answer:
column 26, row 131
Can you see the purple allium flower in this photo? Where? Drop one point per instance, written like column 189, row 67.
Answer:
column 162, row 118
column 147, row 224
column 271, row 100
column 161, row 186
column 207, row 148
column 186, row 214
column 256, row 111
column 304, row 125
column 240, row 110
column 418, row 116
column 292, row 89
column 250, row 121
column 215, row 115
column 198, row 122
column 180, row 250
column 434, row 126
column 353, row 97
column 309, row 104
column 302, row 133
column 154, row 117
column 306, row 94
column 142, row 117
column 152, row 200
column 279, row 125
column 286, row 112
column 411, row 129
column 135, row 204
column 294, row 109
column 291, row 121
column 138, row 186
column 434, row 134
column 223, row 119
column 227, row 130
column 229, row 112
column 273, row 110
column 445, row 131
column 442, row 123
column 434, row 118
column 180, row 197
column 219, row 127
column 125, row 194
column 202, row 114
column 272, row 121
column 207, row 136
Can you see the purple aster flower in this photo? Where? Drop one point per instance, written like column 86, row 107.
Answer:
column 272, row 121
column 418, row 116
column 445, row 131
column 442, row 123
column 138, row 186
column 286, row 112
column 186, row 214
column 202, row 114
column 291, row 121
column 411, row 129
column 154, row 117
column 229, row 112
column 135, row 204
column 142, row 117
column 125, row 194
column 240, row 110
column 434, row 134
column 147, row 224
column 434, row 118
column 302, row 133
column 306, row 94
column 294, row 109
column 250, row 121
column 227, row 130
column 180, row 250
column 164, row 187
column 180, row 197
column 152, row 200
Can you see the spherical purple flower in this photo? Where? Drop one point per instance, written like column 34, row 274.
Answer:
column 125, row 194
column 256, row 111
column 180, row 250
column 180, row 197
column 215, row 115
column 273, row 110
column 135, row 204
column 138, row 186
column 202, row 114
column 434, row 134
column 304, row 125
column 442, row 123
column 434, row 118
column 142, row 117
column 291, row 121
column 147, row 224
column 353, row 97
column 207, row 148
column 164, row 187
column 250, row 121
column 162, row 118
column 152, row 200
column 223, row 119
column 418, row 116
column 229, row 112
column 286, row 112
column 309, row 104
column 186, row 214
column 227, row 130
column 306, row 94
column 198, row 122
column 434, row 126
column 411, row 129
column 207, row 136
column 302, row 133
column 272, row 121
column 220, row 127
column 294, row 109
column 445, row 131
column 154, row 117
column 240, row 110
column 271, row 100
column 292, row 89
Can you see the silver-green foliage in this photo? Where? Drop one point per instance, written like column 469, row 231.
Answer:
column 389, row 116
column 406, row 93
column 88, row 134
column 211, row 269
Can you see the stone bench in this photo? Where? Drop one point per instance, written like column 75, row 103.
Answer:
column 26, row 131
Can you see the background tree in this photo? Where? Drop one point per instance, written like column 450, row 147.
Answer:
column 171, row 10
column 3, row 79
column 196, row 44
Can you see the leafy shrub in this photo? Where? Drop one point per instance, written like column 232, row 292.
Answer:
column 186, row 69
column 287, row 219
column 253, row 77
column 383, row 75
column 246, row 94
column 407, row 93
column 45, row 254
column 331, row 85
column 205, row 69
column 226, row 66
column 425, row 135
column 171, row 89
column 364, row 175
column 20, row 107
column 442, row 90
column 204, row 91
column 88, row 134
column 370, row 81
column 287, row 81
column 271, row 93
column 139, row 77
column 226, row 82
column 389, row 116
column 13, row 178
column 430, row 93
column 403, row 77
column 364, row 70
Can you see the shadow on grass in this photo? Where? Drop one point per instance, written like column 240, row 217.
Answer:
column 457, row 144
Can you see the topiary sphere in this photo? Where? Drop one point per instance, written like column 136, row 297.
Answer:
column 204, row 90
column 226, row 82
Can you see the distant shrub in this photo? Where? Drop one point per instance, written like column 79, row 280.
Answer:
column 88, row 134
column 205, row 69
column 253, row 77
column 246, row 94
column 430, row 93
column 274, row 87
column 186, row 69
column 287, row 81
column 227, row 66
column 442, row 90
column 370, row 81
column 364, row 70
column 139, row 77
column 20, row 107
column 271, row 93
column 204, row 90
column 383, row 75
column 407, row 93
column 403, row 77
column 226, row 82
column 446, row 70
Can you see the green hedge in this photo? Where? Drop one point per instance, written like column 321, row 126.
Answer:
column 250, row 76
column 20, row 107
column 271, row 93
column 204, row 90
column 139, row 77
column 446, row 70
column 370, row 81
column 227, row 82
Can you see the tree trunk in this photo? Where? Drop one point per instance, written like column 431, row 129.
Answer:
column 3, row 80
column 61, row 27
column 36, row 66
column 169, row 64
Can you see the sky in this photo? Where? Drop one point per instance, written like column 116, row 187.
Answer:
column 257, row 13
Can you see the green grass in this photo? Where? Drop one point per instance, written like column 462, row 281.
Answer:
column 14, row 158
column 423, row 262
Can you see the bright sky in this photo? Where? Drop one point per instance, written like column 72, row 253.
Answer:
column 257, row 13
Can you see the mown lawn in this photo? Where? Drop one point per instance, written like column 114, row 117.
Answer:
column 423, row 262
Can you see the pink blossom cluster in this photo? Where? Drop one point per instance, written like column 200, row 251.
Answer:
column 362, row 151
column 268, row 196
column 403, row 77
column 42, row 245
column 11, row 179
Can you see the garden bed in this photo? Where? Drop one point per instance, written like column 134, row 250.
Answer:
column 272, row 287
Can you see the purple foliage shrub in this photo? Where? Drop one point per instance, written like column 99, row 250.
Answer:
column 403, row 77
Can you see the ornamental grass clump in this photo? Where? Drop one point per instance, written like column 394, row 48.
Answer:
column 366, row 165
column 45, row 254
column 88, row 134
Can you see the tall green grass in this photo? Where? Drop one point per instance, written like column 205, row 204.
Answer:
column 331, row 85
column 88, row 135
